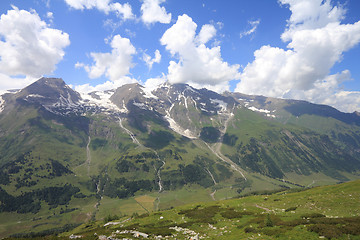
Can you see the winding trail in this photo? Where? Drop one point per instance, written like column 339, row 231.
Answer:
column 313, row 182
column 136, row 141
column 263, row 208
column 212, row 195
column 224, row 158
column 88, row 157
column 156, row 204
column 158, row 171
column 216, row 148
column 131, row 134
column 211, row 175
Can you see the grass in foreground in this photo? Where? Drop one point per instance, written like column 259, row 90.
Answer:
column 331, row 212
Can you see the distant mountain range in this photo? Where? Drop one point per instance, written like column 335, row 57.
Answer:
column 66, row 152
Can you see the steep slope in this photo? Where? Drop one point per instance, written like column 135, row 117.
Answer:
column 284, row 151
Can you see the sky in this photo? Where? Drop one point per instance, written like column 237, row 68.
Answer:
column 297, row 49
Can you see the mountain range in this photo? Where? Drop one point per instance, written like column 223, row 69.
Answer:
column 83, row 156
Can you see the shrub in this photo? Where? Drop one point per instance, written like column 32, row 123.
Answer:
column 203, row 215
column 273, row 231
column 325, row 230
column 250, row 230
column 231, row 213
column 210, row 134
column 313, row 215
column 290, row 209
column 268, row 221
column 110, row 218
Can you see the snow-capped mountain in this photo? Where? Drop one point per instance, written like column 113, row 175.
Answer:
column 180, row 105
column 131, row 140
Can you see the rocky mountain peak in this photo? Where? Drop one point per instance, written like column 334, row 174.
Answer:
column 51, row 93
column 52, row 88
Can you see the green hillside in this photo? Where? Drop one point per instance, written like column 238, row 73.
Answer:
column 63, row 163
column 321, row 212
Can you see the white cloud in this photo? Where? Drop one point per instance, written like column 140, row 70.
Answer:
column 207, row 32
column 317, row 41
column 50, row 15
column 115, row 65
column 328, row 92
column 28, row 47
column 47, row 3
column 150, row 61
column 153, row 83
column 108, row 85
column 310, row 14
column 152, row 12
column 106, row 6
column 197, row 64
column 9, row 83
column 254, row 25
column 102, row 5
column 123, row 10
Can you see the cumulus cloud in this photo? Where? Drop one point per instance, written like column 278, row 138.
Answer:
column 28, row 47
column 11, row 83
column 115, row 65
column 108, row 85
column 206, row 33
column 152, row 12
column 150, row 61
column 153, row 83
column 310, row 14
column 197, row 64
column 316, row 42
column 328, row 92
column 253, row 25
column 122, row 10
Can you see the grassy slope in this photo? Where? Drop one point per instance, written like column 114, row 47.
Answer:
column 289, row 151
column 276, row 216
column 103, row 161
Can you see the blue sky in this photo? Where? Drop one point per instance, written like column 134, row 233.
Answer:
column 302, row 49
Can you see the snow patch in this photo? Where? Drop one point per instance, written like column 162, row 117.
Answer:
column 172, row 105
column 183, row 96
column 67, row 102
column 102, row 100
column 140, row 105
column 195, row 104
column 254, row 109
column 220, row 104
column 190, row 89
column 176, row 127
column 271, row 115
column 148, row 93
column 35, row 96
column 125, row 110
column 267, row 112
column 204, row 110
column 2, row 104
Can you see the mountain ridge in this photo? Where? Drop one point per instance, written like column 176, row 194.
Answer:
column 101, row 149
